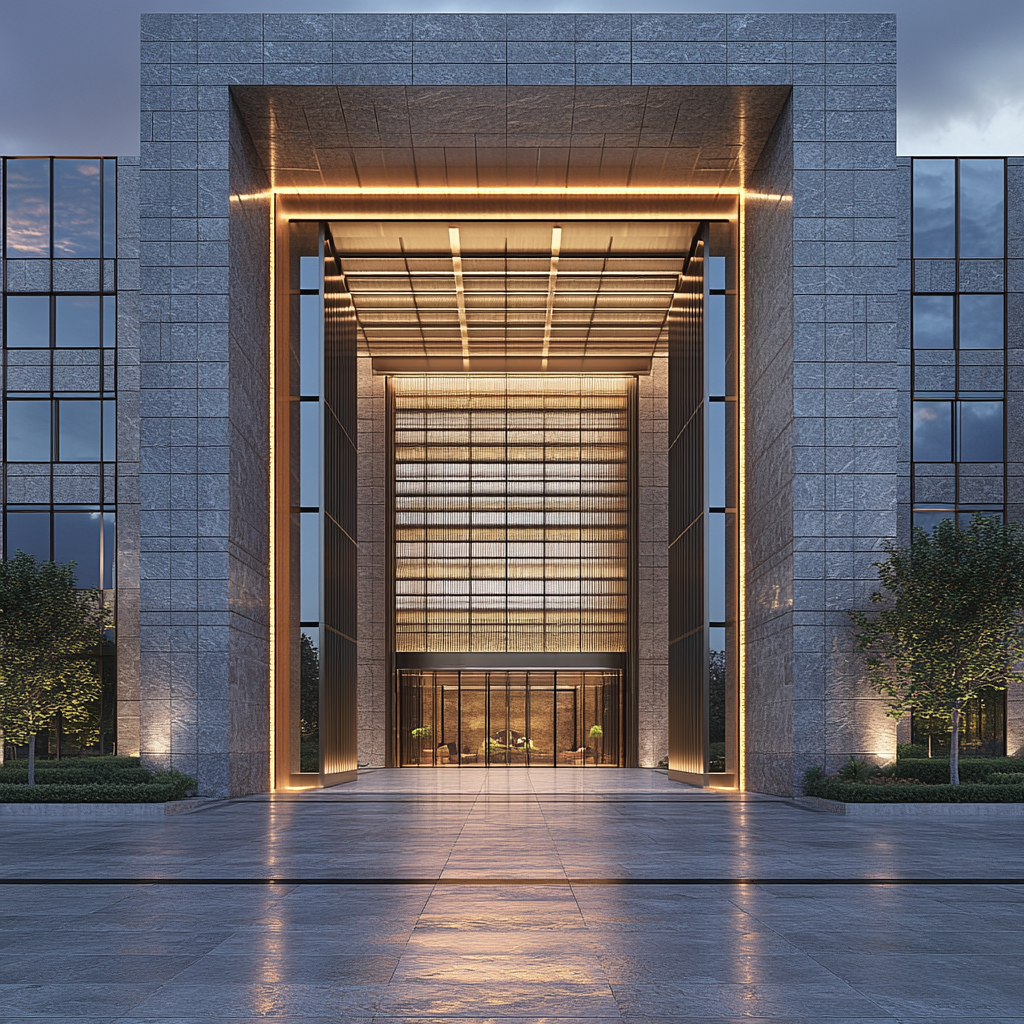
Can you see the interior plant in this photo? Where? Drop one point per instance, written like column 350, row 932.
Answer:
column 950, row 620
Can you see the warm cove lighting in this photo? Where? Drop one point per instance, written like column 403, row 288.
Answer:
column 502, row 190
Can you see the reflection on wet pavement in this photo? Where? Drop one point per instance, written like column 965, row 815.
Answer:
column 517, row 896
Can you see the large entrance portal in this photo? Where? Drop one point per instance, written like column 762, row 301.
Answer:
column 544, row 481
column 491, row 719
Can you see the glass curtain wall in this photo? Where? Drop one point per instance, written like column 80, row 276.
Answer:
column 959, row 368
column 508, row 719
column 703, row 526
column 306, row 320
column 59, row 315
column 322, row 485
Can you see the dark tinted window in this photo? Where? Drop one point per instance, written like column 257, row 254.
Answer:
column 929, row 518
column 28, row 532
column 934, row 209
column 76, row 538
column 28, row 209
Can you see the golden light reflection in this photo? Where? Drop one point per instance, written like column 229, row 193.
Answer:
column 272, row 484
column 741, row 518
column 511, row 513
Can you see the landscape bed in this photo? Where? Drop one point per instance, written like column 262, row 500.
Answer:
column 922, row 780
column 98, row 780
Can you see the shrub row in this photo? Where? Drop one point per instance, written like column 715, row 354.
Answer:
column 92, row 780
column 89, row 793
column 79, row 770
column 934, row 771
column 911, row 793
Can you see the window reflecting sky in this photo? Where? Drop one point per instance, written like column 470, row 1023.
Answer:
column 981, row 321
column 28, row 321
column 932, row 434
column 934, row 209
column 28, row 209
column 76, row 208
column 981, row 431
column 933, row 321
column 981, row 209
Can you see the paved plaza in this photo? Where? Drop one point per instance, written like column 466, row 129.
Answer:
column 511, row 895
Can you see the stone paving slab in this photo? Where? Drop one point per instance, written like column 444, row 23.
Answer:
column 640, row 913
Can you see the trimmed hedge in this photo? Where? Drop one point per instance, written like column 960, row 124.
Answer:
column 911, row 750
column 911, row 793
column 934, row 771
column 89, row 793
column 92, row 780
column 1006, row 779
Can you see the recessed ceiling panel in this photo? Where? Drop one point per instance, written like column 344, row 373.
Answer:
column 512, row 288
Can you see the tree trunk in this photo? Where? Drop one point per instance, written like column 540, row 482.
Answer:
column 59, row 731
column 954, row 748
column 32, row 759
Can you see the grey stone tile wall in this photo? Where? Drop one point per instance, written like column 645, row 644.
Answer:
column 774, row 511
column 825, row 483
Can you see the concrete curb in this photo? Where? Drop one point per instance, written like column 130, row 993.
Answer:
column 87, row 812
column 901, row 810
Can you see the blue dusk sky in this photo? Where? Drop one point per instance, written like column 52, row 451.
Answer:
column 69, row 69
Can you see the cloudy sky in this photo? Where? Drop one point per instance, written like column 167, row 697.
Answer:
column 69, row 74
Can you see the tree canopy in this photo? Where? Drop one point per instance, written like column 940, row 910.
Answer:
column 950, row 624
column 49, row 634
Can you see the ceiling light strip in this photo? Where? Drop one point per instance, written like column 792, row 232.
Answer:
column 556, row 245
column 460, row 292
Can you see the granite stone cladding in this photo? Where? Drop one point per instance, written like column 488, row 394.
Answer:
column 825, row 364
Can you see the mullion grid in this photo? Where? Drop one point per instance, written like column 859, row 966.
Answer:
column 557, row 604
column 958, row 508
column 107, row 374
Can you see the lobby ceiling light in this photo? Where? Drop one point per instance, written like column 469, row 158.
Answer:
column 556, row 245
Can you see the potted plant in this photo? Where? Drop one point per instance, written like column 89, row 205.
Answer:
column 422, row 733
column 596, row 732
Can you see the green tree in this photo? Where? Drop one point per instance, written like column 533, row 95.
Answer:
column 309, row 687
column 49, row 635
column 951, row 621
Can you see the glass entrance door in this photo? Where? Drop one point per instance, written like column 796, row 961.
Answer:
column 510, row 719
